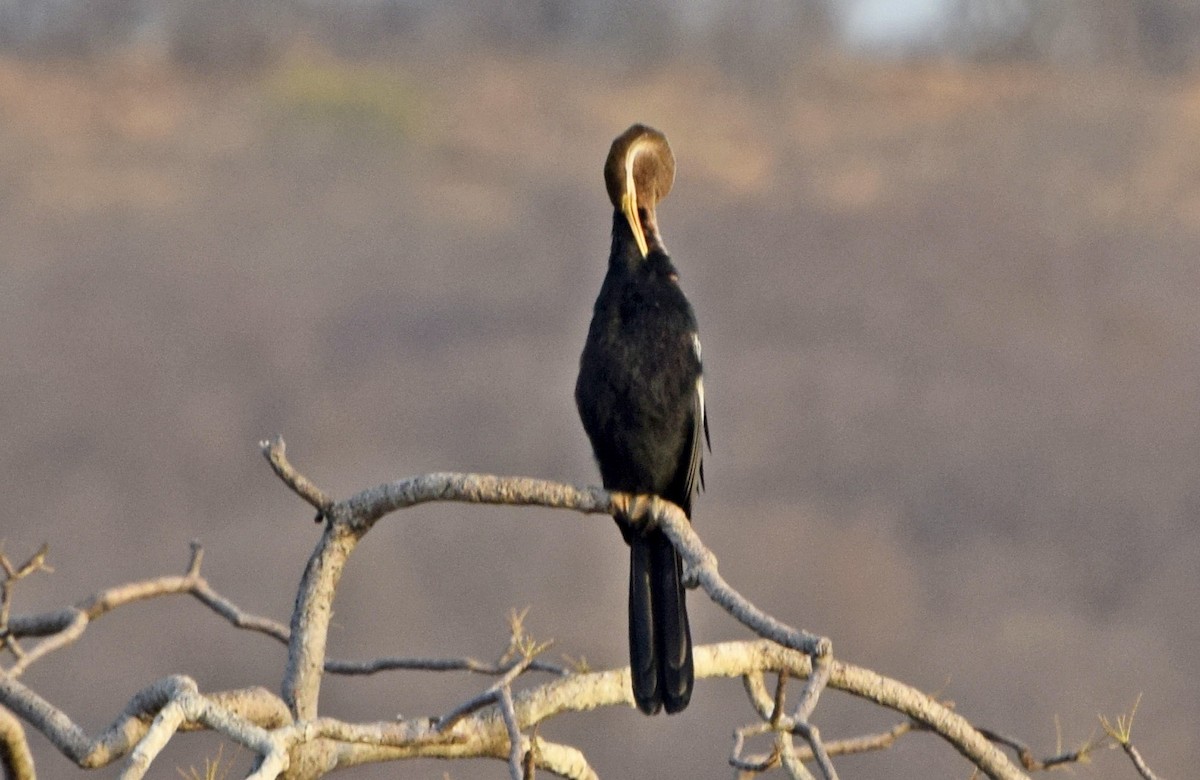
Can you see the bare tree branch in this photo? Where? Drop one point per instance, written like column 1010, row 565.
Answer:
column 1138, row 762
column 572, row 693
column 1029, row 759
column 349, row 520
column 516, row 750
column 1121, row 733
column 562, row 760
column 250, row 706
column 702, row 567
column 292, row 740
column 275, row 452
column 869, row 742
column 789, row 758
column 66, row 625
column 468, row 664
column 813, row 737
column 13, row 574
column 476, row 703
column 15, row 759
column 840, row 747
column 812, row 689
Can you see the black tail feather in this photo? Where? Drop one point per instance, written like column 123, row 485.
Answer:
column 660, row 642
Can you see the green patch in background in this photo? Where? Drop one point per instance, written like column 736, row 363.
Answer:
column 365, row 98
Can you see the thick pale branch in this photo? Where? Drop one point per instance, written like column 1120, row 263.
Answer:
column 350, row 519
column 485, row 732
column 250, row 706
column 369, row 506
column 482, row 734
column 928, row 712
column 16, row 762
column 289, row 735
column 23, row 702
column 740, row 658
column 562, row 760
column 161, row 730
column 188, row 706
column 703, row 566
column 310, row 618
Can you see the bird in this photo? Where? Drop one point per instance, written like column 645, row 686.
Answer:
column 640, row 396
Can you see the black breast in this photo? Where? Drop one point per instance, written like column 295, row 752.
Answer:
column 637, row 380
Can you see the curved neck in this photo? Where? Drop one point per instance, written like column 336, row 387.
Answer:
column 624, row 246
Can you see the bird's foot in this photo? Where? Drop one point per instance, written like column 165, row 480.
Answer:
column 632, row 513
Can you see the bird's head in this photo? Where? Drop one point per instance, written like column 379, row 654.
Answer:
column 639, row 173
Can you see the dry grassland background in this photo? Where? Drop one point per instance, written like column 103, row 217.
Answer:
column 951, row 341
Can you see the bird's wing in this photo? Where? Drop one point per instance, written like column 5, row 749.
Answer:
column 699, row 437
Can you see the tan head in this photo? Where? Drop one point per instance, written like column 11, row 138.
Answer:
column 639, row 173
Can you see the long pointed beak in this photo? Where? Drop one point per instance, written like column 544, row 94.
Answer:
column 630, row 208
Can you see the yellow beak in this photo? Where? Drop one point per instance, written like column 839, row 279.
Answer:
column 630, row 208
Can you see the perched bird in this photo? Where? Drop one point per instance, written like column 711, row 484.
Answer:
column 641, row 400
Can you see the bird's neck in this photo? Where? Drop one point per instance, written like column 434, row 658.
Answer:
column 624, row 247
column 626, row 260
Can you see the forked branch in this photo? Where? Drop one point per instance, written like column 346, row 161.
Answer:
column 292, row 740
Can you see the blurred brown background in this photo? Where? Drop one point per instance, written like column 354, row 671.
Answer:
column 944, row 261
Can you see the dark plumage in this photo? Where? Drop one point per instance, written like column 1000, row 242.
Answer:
column 641, row 400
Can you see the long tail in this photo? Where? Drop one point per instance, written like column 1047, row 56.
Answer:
column 660, row 644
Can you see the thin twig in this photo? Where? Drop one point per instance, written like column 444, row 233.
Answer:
column 275, row 452
column 751, row 764
column 515, row 751
column 479, row 701
column 778, row 703
column 870, row 742
column 1122, row 733
column 771, row 709
column 1138, row 762
column 65, row 627
column 467, row 664
column 12, row 575
column 813, row 686
column 789, row 759
column 813, row 737
column 1029, row 759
